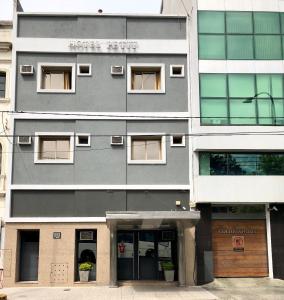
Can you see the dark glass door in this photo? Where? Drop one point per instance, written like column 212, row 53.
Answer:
column 140, row 253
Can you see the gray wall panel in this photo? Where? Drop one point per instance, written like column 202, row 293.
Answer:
column 72, row 27
column 101, row 163
column 156, row 28
column 92, row 203
column 156, row 200
column 101, row 91
column 101, row 27
column 66, row 203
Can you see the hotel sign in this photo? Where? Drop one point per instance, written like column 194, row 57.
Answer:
column 103, row 45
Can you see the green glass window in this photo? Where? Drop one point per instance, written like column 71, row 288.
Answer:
column 272, row 84
column 282, row 22
column 239, row 22
column 266, row 22
column 241, row 85
column 214, row 111
column 265, row 111
column 213, row 85
column 240, row 46
column 212, row 47
column 242, row 113
column 211, row 22
column 268, row 47
column 279, row 108
column 213, row 163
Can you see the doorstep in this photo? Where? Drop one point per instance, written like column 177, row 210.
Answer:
column 147, row 283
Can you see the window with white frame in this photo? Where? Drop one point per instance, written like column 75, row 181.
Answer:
column 56, row 77
column 177, row 70
column 84, row 69
column 147, row 149
column 83, row 140
column 178, row 140
column 54, row 148
column 146, row 78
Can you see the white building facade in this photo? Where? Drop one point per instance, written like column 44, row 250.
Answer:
column 237, row 116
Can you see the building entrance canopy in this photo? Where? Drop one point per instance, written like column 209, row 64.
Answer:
column 152, row 219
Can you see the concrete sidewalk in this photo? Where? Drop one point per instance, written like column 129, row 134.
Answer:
column 247, row 288
column 106, row 293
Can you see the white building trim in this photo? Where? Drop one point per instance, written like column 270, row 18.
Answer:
column 268, row 238
column 184, row 187
column 61, row 45
column 57, row 220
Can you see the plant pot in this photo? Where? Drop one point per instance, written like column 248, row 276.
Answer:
column 84, row 276
column 169, row 275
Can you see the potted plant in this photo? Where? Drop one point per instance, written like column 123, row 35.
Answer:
column 84, row 271
column 169, row 271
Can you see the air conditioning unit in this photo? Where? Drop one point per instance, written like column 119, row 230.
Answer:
column 117, row 70
column 116, row 140
column 24, row 140
column 86, row 235
column 26, row 69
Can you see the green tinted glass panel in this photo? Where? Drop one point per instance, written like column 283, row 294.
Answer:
column 213, row 85
column 212, row 47
column 240, row 46
column 239, row 22
column 282, row 22
column 266, row 22
column 204, row 163
column 267, row 47
column 265, row 112
column 214, row 111
column 241, row 85
column 242, row 113
column 211, row 22
column 272, row 84
column 279, row 108
column 242, row 164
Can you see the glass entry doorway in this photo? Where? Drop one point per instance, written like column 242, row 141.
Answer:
column 140, row 253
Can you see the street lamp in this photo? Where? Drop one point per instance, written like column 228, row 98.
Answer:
column 273, row 111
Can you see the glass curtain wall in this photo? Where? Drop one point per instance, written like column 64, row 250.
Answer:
column 241, row 35
column 222, row 99
column 220, row 163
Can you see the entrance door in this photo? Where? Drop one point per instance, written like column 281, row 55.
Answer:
column 29, row 251
column 239, row 248
column 140, row 253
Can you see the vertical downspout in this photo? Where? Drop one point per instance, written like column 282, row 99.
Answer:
column 268, row 237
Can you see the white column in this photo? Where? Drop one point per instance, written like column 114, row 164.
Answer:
column 268, row 237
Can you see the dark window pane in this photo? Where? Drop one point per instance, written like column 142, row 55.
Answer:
column 212, row 47
column 271, row 164
column 213, row 85
column 239, row 22
column 266, row 22
column 218, row 164
column 242, row 164
column 268, row 47
column 211, row 22
column 240, row 46
column 2, row 84
column 214, row 111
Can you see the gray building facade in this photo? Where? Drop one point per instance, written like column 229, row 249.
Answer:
column 100, row 155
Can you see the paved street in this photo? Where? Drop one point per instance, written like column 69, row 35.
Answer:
column 223, row 289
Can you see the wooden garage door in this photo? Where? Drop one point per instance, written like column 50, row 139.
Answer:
column 239, row 248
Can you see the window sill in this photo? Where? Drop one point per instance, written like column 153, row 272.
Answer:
column 147, row 162
column 55, row 161
column 47, row 91
column 146, row 92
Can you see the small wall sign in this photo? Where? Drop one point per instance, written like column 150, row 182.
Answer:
column 56, row 235
column 238, row 243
